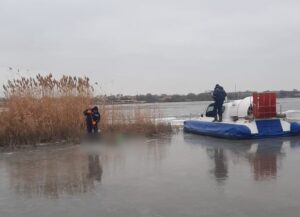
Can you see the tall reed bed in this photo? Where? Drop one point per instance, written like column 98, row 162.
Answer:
column 44, row 109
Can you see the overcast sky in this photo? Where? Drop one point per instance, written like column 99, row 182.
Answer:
column 157, row 46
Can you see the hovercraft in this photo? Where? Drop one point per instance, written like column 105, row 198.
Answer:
column 254, row 117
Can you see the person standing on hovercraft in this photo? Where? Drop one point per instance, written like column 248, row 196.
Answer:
column 219, row 96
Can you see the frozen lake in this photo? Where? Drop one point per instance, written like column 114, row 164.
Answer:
column 180, row 175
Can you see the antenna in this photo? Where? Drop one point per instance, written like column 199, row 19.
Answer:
column 236, row 97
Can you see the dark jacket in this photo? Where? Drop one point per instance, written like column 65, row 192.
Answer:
column 88, row 116
column 96, row 115
column 219, row 94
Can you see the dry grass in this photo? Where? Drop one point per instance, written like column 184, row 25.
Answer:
column 136, row 120
column 45, row 109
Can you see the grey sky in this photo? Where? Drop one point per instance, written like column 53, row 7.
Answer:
column 157, row 46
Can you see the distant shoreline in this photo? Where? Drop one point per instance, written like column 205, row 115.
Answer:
column 173, row 98
column 191, row 97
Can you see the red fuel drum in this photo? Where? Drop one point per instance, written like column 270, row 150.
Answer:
column 264, row 105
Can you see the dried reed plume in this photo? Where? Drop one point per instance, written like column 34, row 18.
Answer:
column 44, row 109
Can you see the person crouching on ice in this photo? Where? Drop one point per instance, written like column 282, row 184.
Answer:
column 96, row 117
column 88, row 113
column 219, row 96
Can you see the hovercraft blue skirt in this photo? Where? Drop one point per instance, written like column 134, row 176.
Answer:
column 266, row 129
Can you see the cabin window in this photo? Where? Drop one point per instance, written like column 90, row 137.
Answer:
column 210, row 108
column 250, row 110
column 210, row 111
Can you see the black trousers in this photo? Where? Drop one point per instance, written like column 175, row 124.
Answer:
column 89, row 127
column 218, row 109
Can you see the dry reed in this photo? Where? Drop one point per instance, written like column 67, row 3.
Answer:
column 135, row 120
column 44, row 109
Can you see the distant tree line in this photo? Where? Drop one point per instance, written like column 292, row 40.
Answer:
column 191, row 97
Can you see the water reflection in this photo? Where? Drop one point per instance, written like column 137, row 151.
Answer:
column 55, row 173
column 263, row 156
column 78, row 170
column 157, row 150
column 264, row 162
column 220, row 170
column 95, row 169
column 295, row 142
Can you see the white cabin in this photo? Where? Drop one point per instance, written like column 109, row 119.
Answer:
column 233, row 110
